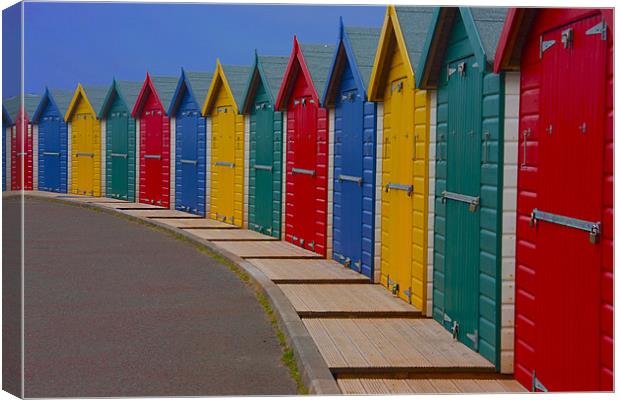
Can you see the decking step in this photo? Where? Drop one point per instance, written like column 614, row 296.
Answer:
column 131, row 206
column 229, row 234
column 162, row 213
column 193, row 224
column 347, row 301
column 307, row 271
column 373, row 386
column 266, row 249
column 392, row 346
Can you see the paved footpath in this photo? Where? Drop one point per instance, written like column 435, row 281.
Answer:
column 114, row 308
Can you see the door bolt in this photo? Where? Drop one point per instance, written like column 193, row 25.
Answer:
column 455, row 330
column 395, row 289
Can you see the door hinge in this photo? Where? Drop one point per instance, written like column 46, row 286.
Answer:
column 600, row 28
column 474, row 337
column 408, row 294
column 545, row 45
column 536, row 384
column 451, row 71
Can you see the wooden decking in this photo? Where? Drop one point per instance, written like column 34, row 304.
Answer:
column 193, row 224
column 307, row 271
column 392, row 346
column 130, row 206
column 345, row 301
column 86, row 199
column 231, row 235
column 159, row 213
column 267, row 249
column 375, row 386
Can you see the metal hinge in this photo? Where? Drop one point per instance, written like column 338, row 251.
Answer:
column 451, row 71
column 474, row 337
column 545, row 45
column 408, row 294
column 536, row 384
column 600, row 28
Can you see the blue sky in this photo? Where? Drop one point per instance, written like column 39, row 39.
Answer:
column 67, row 43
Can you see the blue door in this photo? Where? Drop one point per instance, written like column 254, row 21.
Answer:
column 349, row 174
column 50, row 153
column 191, row 139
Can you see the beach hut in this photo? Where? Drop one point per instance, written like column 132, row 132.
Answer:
column 7, row 122
column 23, row 142
column 353, row 123
column 264, row 212
column 155, row 164
column 564, row 311
column 226, row 143
column 85, row 166
column 191, row 141
column 306, row 154
column 119, row 128
column 402, row 182
column 473, row 294
column 53, row 140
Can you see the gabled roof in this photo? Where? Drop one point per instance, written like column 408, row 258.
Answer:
column 93, row 95
column 12, row 104
column 266, row 69
column 198, row 85
column 163, row 88
column 517, row 27
column 58, row 97
column 233, row 79
column 358, row 47
column 314, row 61
column 483, row 26
column 128, row 92
column 406, row 28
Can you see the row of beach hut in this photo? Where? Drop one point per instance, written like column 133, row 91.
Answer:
column 461, row 157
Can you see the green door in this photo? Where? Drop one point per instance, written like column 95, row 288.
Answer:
column 263, row 167
column 462, row 244
column 118, row 135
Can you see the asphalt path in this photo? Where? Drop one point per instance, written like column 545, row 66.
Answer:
column 115, row 308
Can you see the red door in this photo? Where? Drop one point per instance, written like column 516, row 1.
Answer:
column 568, row 206
column 21, row 154
column 152, row 154
column 306, row 173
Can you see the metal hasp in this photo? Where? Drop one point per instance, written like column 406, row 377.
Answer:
column 593, row 228
column 304, row 171
column 189, row 162
column 349, row 178
column 398, row 186
column 119, row 155
column 567, row 38
column 82, row 154
column 51, row 153
column 263, row 167
column 224, row 164
column 537, row 385
column 473, row 201
column 154, row 156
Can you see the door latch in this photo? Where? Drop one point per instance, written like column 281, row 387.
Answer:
column 583, row 127
column 567, row 38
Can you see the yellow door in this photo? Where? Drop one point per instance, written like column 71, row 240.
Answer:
column 404, row 181
column 223, row 163
column 84, row 135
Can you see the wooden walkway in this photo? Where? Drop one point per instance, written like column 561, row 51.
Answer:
column 266, row 249
column 129, row 206
column 343, row 301
column 372, row 342
column 231, row 235
column 376, row 386
column 193, row 224
column 307, row 271
column 159, row 213
column 381, row 346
